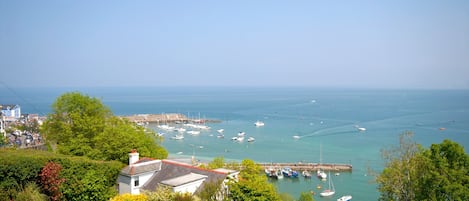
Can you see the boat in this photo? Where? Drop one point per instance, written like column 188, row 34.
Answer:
column 221, row 130
column 177, row 137
column 279, row 174
column 345, row 198
column 240, row 138
column 220, row 136
column 330, row 190
column 241, row 134
column 320, row 173
column 259, row 123
column 251, row 139
column 181, row 130
column 296, row 137
column 360, row 128
column 306, row 174
column 193, row 132
column 288, row 172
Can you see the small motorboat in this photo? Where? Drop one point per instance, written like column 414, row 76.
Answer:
column 345, row 198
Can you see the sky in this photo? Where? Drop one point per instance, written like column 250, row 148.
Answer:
column 358, row 44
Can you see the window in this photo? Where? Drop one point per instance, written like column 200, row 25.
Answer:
column 136, row 182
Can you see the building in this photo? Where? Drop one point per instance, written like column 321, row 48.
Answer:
column 149, row 174
column 10, row 112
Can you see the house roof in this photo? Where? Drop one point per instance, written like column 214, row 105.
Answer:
column 172, row 169
column 185, row 179
column 142, row 166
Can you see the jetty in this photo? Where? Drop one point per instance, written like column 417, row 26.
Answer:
column 335, row 167
column 166, row 118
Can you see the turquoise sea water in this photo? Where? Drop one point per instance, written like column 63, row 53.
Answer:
column 322, row 117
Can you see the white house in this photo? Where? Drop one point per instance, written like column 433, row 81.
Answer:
column 150, row 174
column 11, row 112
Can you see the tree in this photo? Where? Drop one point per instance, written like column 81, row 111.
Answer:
column 83, row 126
column 252, row 185
column 414, row 173
column 306, row 196
column 217, row 162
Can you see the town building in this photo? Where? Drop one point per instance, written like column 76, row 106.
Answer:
column 149, row 174
column 10, row 112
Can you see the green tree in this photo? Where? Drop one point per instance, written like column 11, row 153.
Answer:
column 414, row 173
column 217, row 162
column 252, row 185
column 306, row 196
column 82, row 126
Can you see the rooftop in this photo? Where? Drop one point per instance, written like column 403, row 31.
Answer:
column 181, row 180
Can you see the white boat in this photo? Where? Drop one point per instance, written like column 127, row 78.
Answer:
column 296, row 137
column 220, row 136
column 360, row 128
column 181, row 130
column 221, row 130
column 306, row 174
column 240, row 138
column 166, row 127
column 321, row 174
column 330, row 190
column 241, row 134
column 177, row 137
column 193, row 132
column 251, row 139
column 259, row 123
column 345, row 198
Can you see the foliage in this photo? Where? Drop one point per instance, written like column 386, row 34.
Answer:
column 210, row 190
column 252, row 185
column 306, row 196
column 286, row 197
column 84, row 179
column 83, row 126
column 414, row 173
column 217, row 162
column 129, row 197
column 31, row 192
column 51, row 181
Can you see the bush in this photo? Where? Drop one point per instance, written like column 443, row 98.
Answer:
column 85, row 179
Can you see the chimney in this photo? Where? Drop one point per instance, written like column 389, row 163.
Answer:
column 133, row 156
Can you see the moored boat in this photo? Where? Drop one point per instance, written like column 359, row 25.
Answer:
column 345, row 198
column 330, row 190
column 251, row 139
column 306, row 174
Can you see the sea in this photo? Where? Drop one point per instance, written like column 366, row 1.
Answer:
column 325, row 119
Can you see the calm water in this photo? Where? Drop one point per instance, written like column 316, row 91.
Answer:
column 322, row 117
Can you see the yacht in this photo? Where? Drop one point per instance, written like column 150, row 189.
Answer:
column 345, row 198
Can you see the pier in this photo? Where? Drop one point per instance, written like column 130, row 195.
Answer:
column 335, row 167
column 166, row 118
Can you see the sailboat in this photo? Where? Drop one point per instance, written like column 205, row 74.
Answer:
column 321, row 174
column 330, row 190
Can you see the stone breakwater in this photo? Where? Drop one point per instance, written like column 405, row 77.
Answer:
column 166, row 118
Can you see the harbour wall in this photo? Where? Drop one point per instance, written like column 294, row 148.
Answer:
column 165, row 118
column 335, row 167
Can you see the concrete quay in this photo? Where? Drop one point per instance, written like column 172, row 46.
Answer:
column 334, row 167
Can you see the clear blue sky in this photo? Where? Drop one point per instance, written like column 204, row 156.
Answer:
column 379, row 44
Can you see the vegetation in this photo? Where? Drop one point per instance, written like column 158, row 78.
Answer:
column 252, row 185
column 77, row 179
column 164, row 193
column 306, row 196
column 82, row 126
column 415, row 173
